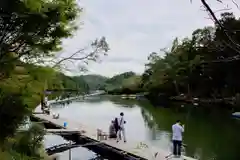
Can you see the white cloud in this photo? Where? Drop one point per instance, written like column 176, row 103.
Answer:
column 134, row 28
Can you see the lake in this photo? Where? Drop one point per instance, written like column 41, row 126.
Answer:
column 209, row 135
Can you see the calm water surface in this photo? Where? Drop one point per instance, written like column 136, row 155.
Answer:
column 208, row 135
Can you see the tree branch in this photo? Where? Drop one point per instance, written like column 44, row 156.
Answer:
column 98, row 46
column 236, row 45
column 71, row 57
column 235, row 3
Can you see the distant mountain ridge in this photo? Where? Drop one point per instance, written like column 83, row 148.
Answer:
column 96, row 82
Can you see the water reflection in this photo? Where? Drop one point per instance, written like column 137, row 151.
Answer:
column 208, row 135
column 61, row 103
column 76, row 153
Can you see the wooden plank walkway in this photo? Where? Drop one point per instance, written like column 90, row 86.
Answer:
column 66, row 146
column 63, row 131
column 139, row 149
column 74, row 98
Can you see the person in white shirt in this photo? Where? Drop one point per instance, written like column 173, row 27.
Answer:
column 121, row 129
column 177, row 130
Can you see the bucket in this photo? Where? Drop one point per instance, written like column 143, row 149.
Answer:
column 65, row 124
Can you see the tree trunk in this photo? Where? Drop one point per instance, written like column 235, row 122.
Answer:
column 189, row 92
column 176, row 87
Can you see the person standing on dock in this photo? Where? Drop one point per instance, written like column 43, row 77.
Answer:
column 116, row 125
column 177, row 130
column 112, row 130
column 121, row 129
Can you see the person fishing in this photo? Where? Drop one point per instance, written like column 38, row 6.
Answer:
column 121, row 128
column 177, row 131
column 42, row 104
column 116, row 124
column 112, row 130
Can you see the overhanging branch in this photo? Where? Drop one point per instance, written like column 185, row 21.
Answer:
column 71, row 57
column 99, row 46
column 234, row 45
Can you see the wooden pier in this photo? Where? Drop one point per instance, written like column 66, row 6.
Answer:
column 74, row 98
column 82, row 135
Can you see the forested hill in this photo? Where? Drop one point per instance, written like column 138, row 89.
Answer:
column 85, row 83
column 115, row 80
column 75, row 82
column 27, row 74
column 95, row 82
column 118, row 81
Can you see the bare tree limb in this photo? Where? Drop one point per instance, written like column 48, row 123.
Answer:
column 71, row 57
column 98, row 47
column 235, row 3
column 233, row 45
column 221, row 10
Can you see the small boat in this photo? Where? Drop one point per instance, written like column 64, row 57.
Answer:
column 124, row 96
column 236, row 114
column 132, row 96
column 195, row 104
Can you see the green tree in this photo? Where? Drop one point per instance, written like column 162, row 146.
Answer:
column 24, row 145
column 30, row 35
column 30, row 141
column 31, row 30
column 11, row 115
column 204, row 65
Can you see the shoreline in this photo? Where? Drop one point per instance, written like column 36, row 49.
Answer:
column 228, row 101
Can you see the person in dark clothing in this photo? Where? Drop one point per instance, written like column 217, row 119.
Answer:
column 116, row 126
column 177, row 148
column 42, row 104
column 112, row 132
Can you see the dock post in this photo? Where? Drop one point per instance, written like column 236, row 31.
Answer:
column 70, row 152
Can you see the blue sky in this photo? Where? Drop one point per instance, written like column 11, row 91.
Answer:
column 135, row 28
